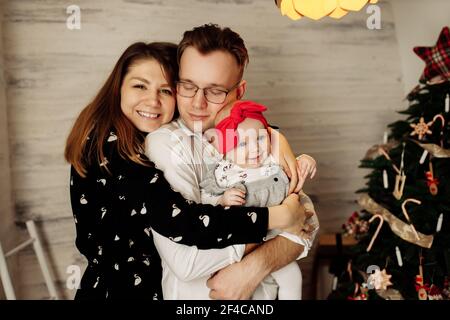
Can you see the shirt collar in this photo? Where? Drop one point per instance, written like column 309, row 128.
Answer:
column 184, row 127
column 209, row 148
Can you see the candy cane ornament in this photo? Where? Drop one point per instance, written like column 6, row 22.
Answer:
column 407, row 216
column 375, row 235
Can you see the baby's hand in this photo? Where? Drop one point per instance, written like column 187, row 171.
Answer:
column 306, row 165
column 232, row 197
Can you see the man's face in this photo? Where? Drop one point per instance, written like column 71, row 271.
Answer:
column 217, row 69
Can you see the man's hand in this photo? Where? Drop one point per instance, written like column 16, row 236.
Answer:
column 238, row 281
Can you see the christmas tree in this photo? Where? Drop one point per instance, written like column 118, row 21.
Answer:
column 403, row 227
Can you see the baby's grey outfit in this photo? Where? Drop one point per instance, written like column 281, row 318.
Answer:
column 269, row 189
column 267, row 192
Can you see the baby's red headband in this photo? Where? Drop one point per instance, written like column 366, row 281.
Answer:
column 241, row 110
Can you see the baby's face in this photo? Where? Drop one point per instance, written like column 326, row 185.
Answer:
column 253, row 145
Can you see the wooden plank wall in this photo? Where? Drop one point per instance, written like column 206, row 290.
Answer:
column 332, row 86
column 8, row 231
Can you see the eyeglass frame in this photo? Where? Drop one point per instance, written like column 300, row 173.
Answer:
column 226, row 91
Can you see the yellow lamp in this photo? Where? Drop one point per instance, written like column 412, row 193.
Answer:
column 287, row 9
column 317, row 9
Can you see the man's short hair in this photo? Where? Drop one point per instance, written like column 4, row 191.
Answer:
column 210, row 37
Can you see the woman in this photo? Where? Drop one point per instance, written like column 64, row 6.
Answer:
column 117, row 195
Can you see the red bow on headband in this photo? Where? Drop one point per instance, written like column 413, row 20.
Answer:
column 241, row 110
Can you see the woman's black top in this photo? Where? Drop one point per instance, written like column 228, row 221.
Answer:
column 114, row 212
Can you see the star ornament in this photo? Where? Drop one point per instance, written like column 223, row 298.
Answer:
column 421, row 129
column 437, row 58
column 380, row 279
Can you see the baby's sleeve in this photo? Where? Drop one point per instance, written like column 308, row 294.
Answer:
column 210, row 191
column 208, row 198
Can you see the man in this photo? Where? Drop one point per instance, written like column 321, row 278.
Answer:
column 212, row 62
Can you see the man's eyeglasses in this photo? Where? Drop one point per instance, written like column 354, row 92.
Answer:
column 212, row 94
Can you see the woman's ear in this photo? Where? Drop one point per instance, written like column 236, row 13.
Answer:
column 240, row 90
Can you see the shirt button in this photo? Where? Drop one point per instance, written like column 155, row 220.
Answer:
column 275, row 179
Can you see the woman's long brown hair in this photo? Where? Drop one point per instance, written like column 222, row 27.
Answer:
column 104, row 113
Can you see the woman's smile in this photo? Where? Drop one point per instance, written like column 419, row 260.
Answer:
column 148, row 115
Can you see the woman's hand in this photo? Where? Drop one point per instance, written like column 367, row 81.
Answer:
column 297, row 213
column 288, row 216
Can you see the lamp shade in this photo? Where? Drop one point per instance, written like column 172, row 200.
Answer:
column 317, row 9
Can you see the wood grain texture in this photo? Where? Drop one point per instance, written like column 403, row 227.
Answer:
column 9, row 236
column 332, row 86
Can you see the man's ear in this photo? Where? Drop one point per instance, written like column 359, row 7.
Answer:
column 240, row 91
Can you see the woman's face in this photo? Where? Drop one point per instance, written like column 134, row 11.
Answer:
column 147, row 99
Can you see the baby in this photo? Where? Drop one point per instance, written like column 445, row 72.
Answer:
column 249, row 175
